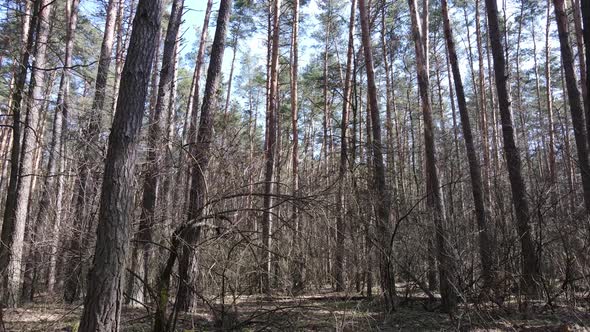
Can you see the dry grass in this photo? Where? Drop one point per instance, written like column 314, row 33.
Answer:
column 325, row 311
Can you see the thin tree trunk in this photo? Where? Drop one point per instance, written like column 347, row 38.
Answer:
column 486, row 251
column 341, row 206
column 298, row 266
column 18, row 197
column 586, row 37
column 200, row 152
column 383, row 200
column 193, row 105
column 482, row 107
column 49, row 192
column 445, row 256
column 582, row 60
column 8, row 222
column 548, row 92
column 269, row 153
column 576, row 108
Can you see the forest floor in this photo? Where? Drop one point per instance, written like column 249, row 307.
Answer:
column 325, row 311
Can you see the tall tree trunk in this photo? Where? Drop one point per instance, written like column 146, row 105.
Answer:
column 530, row 261
column 586, row 37
column 102, row 306
column 141, row 251
column 193, row 105
column 298, row 266
column 445, row 256
column 341, row 206
column 486, row 251
column 482, row 106
column 200, row 152
column 582, row 60
column 90, row 136
column 15, row 216
column 10, row 228
column 549, row 96
column 576, row 108
column 269, row 153
column 383, row 200
column 59, row 129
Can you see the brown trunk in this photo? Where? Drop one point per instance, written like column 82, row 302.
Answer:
column 548, row 92
column 586, row 37
column 91, row 138
column 200, row 152
column 142, row 249
column 575, row 102
column 15, row 214
column 189, row 130
column 530, row 261
column 582, row 60
column 298, row 266
column 49, row 191
column 486, row 252
column 269, row 153
column 102, row 306
column 8, row 225
column 482, row 106
column 383, row 200
column 346, row 102
column 445, row 256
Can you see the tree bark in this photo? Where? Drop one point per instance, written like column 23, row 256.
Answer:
column 201, row 151
column 90, row 136
column 586, row 37
column 13, row 229
column 298, row 266
column 193, row 105
column 576, row 108
column 445, row 256
column 49, row 191
column 269, row 151
column 530, row 261
column 102, row 306
column 346, row 102
column 144, row 237
column 9, row 226
column 383, row 200
column 548, row 92
column 486, row 251
column 582, row 60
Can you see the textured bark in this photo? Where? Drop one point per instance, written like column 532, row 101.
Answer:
column 582, row 60
column 383, row 200
column 200, row 152
column 90, row 136
column 142, row 248
column 586, row 37
column 13, row 229
column 12, row 192
column 269, row 151
column 486, row 251
column 483, row 111
column 575, row 101
column 298, row 264
column 193, row 105
column 102, row 306
column 530, row 261
column 51, row 192
column 341, row 213
column 551, row 129
column 444, row 254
